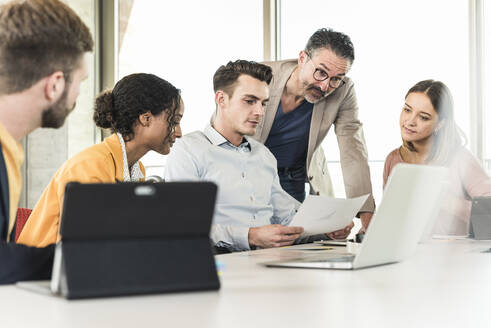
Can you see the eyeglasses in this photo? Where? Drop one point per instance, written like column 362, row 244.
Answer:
column 321, row 75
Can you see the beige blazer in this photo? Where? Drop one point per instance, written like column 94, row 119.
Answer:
column 339, row 108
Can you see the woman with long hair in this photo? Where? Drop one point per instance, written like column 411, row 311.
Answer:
column 431, row 136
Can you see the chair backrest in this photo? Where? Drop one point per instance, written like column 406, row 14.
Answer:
column 21, row 219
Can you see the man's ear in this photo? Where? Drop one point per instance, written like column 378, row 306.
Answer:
column 54, row 87
column 145, row 119
column 220, row 98
column 302, row 57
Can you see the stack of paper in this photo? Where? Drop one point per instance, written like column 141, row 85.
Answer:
column 322, row 214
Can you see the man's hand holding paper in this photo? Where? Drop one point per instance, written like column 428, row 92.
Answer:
column 322, row 214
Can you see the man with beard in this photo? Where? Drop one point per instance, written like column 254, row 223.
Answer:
column 308, row 95
column 43, row 44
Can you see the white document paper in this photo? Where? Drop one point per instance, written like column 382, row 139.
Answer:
column 322, row 214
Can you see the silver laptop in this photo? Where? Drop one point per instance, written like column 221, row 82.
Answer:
column 409, row 206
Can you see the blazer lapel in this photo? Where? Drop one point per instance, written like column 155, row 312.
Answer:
column 315, row 124
column 4, row 199
column 276, row 90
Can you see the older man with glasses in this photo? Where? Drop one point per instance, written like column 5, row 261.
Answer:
column 308, row 95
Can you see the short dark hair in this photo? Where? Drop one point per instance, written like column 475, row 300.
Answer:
column 136, row 94
column 226, row 76
column 338, row 42
column 37, row 38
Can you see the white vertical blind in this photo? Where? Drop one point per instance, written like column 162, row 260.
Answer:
column 185, row 42
column 396, row 45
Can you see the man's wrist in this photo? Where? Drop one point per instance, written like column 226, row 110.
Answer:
column 250, row 238
column 364, row 213
column 365, row 218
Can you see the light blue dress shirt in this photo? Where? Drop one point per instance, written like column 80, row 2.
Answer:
column 249, row 192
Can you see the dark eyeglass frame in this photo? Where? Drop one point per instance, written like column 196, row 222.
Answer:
column 332, row 83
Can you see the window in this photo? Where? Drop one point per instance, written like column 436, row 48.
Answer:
column 396, row 45
column 185, row 46
column 487, row 86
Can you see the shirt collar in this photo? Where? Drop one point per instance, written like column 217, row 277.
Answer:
column 135, row 174
column 218, row 140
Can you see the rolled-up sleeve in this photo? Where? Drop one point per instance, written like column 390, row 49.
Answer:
column 235, row 238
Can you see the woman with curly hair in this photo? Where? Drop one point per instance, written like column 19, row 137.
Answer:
column 144, row 113
column 430, row 136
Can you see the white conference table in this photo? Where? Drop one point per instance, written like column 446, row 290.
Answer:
column 447, row 283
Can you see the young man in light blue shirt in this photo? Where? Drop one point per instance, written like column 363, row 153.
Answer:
column 252, row 209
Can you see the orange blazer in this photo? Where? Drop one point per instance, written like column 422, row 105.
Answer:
column 101, row 163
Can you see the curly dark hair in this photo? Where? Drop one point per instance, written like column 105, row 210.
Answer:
column 338, row 42
column 136, row 94
column 226, row 76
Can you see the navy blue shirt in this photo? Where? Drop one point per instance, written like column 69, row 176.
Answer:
column 288, row 139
